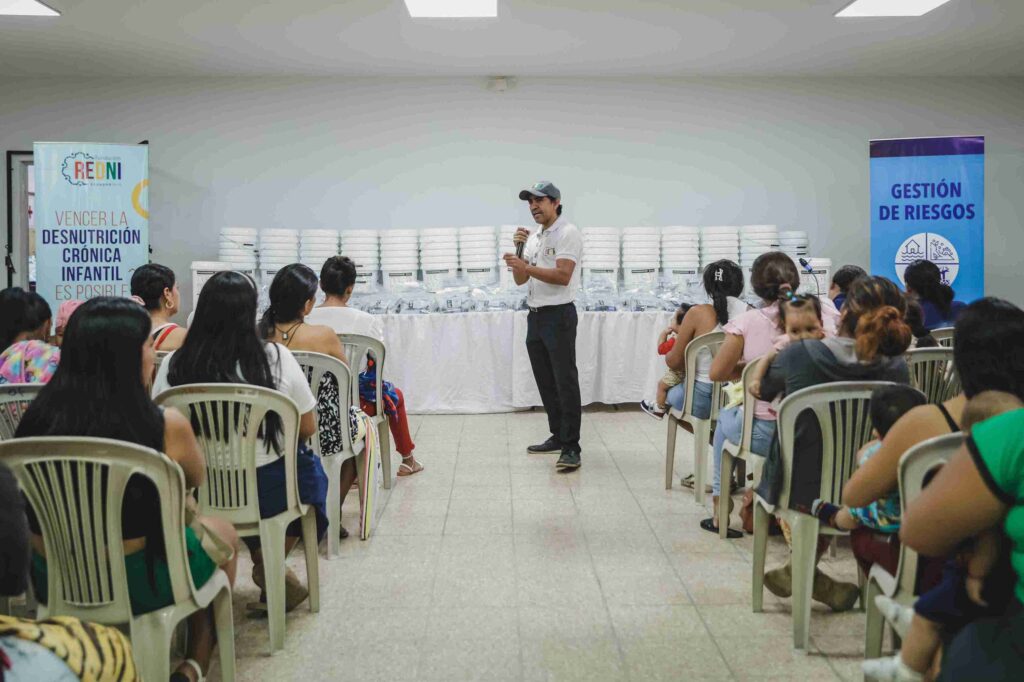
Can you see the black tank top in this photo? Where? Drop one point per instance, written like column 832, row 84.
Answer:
column 953, row 426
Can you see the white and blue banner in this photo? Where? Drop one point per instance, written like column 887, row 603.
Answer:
column 928, row 203
column 91, row 218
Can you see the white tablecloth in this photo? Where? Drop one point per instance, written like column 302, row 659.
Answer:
column 467, row 363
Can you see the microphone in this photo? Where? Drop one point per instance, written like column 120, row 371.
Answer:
column 810, row 270
column 520, row 246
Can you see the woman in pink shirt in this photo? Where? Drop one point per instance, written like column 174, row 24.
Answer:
column 747, row 338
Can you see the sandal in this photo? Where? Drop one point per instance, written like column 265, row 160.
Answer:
column 407, row 469
column 688, row 481
column 294, row 591
column 709, row 525
column 178, row 676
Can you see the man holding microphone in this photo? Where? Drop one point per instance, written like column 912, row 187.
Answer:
column 550, row 262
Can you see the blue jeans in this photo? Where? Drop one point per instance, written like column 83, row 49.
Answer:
column 730, row 427
column 701, row 398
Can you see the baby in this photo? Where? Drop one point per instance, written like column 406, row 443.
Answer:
column 888, row 404
column 666, row 341
column 980, row 576
column 800, row 319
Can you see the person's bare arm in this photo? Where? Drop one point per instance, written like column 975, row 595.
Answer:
column 764, row 363
column 696, row 318
column 181, row 446
column 330, row 344
column 560, row 275
column 878, row 476
column 956, row 505
column 307, row 426
column 175, row 339
column 663, row 336
column 727, row 360
column 983, row 557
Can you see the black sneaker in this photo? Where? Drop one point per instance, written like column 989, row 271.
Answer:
column 550, row 445
column 569, row 461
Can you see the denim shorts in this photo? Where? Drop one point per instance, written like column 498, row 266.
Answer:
column 701, row 398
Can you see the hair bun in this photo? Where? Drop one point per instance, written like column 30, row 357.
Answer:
column 882, row 331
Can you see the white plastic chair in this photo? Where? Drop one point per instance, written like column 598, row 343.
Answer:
column 932, row 372
column 916, row 465
column 76, row 487
column 944, row 335
column 226, row 420
column 702, row 428
column 161, row 355
column 356, row 348
column 843, row 413
column 14, row 402
column 317, row 366
column 731, row 451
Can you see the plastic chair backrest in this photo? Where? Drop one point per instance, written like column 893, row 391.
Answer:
column 747, row 430
column 843, row 413
column 161, row 355
column 356, row 348
column 944, row 335
column 932, row 372
column 916, row 465
column 76, row 486
column 226, row 419
column 14, row 402
column 321, row 372
column 709, row 342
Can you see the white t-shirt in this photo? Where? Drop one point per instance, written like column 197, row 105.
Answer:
column 288, row 379
column 348, row 321
column 561, row 241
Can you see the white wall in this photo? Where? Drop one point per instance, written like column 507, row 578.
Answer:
column 361, row 153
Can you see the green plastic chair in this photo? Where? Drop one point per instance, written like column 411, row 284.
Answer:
column 357, row 346
column 916, row 465
column 76, row 487
column 932, row 372
column 843, row 413
column 702, row 428
column 225, row 418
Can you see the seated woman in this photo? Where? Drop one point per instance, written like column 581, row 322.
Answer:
column 99, row 390
column 55, row 650
column 985, row 357
column 154, row 287
column 338, row 279
column 869, row 346
column 978, row 491
column 937, row 299
column 27, row 357
column 841, row 281
column 292, row 295
column 223, row 346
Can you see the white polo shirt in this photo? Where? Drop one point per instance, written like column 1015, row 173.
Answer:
column 562, row 240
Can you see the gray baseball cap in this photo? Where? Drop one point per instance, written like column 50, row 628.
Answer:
column 541, row 189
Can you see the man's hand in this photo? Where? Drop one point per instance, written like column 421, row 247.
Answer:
column 518, row 266
column 521, row 235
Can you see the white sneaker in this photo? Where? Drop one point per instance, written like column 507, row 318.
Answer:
column 890, row 670
column 896, row 614
column 653, row 409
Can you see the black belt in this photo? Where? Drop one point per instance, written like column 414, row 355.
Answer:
column 544, row 308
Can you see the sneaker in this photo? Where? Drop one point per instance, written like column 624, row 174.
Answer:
column 836, row 595
column 896, row 614
column 889, row 669
column 653, row 409
column 569, row 461
column 550, row 445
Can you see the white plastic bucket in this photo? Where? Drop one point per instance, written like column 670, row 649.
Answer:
column 202, row 271
column 820, row 280
column 634, row 277
column 680, row 275
column 480, row 275
column 481, row 230
column 436, row 277
column 601, row 276
column 367, row 276
column 393, row 278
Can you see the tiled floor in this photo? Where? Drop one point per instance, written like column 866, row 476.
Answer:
column 489, row 565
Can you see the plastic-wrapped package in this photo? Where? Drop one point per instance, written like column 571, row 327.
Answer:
column 454, row 299
column 413, row 298
column 640, row 300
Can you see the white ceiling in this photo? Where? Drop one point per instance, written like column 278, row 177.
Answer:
column 529, row 38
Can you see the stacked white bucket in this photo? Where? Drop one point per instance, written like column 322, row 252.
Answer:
column 680, row 254
column 278, row 248
column 399, row 258
column 316, row 246
column 439, row 256
column 717, row 243
column 237, row 247
column 755, row 240
column 477, row 255
column 505, row 245
column 601, row 256
column 363, row 248
column 641, row 257
column 795, row 243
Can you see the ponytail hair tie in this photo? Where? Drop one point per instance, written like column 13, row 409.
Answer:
column 138, row 299
column 786, row 292
column 720, row 274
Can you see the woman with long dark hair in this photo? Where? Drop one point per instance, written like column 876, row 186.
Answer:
column 27, row 357
column 937, row 299
column 100, row 390
column 224, row 346
column 155, row 288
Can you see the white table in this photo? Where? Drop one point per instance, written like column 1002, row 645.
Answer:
column 471, row 363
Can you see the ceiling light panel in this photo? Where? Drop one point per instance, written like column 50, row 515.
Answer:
column 26, row 8
column 889, row 8
column 451, row 9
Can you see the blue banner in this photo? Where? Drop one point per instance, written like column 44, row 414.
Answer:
column 92, row 221
column 928, row 203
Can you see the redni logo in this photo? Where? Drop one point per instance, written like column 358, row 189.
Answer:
column 85, row 169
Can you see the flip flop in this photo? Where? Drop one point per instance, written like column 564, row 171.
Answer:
column 406, row 469
column 730, row 533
